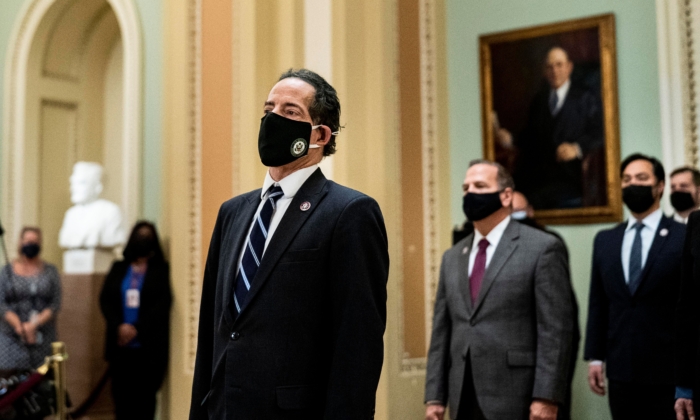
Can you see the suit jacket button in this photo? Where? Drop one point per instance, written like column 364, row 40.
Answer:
column 464, row 357
column 235, row 336
column 472, row 322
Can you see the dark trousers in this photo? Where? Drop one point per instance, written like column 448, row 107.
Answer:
column 468, row 404
column 133, row 387
column 641, row 401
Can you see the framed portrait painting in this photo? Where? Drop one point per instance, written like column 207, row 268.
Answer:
column 550, row 116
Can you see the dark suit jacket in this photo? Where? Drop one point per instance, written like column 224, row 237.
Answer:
column 518, row 335
column 153, row 325
column 688, row 313
column 308, row 343
column 538, row 175
column 633, row 334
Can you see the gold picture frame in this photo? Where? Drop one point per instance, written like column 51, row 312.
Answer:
column 513, row 89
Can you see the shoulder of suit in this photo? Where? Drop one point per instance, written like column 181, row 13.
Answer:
column 675, row 225
column 537, row 235
column 605, row 233
column 344, row 195
column 234, row 202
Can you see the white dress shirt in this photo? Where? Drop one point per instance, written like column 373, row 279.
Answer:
column 290, row 185
column 651, row 224
column 561, row 92
column 680, row 219
column 494, row 237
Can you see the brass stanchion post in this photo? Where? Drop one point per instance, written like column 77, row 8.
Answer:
column 58, row 364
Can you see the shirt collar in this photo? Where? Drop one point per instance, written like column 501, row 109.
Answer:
column 289, row 184
column 495, row 235
column 563, row 90
column 651, row 221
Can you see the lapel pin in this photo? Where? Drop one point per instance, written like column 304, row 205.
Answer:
column 663, row 232
column 305, row 206
column 465, row 250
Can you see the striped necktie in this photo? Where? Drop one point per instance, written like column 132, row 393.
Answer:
column 635, row 265
column 254, row 247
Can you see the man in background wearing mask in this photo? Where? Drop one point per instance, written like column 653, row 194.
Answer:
column 501, row 340
column 294, row 296
column 685, row 192
column 634, row 289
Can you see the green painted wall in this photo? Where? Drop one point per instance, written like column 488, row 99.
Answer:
column 640, row 127
column 151, row 15
column 8, row 13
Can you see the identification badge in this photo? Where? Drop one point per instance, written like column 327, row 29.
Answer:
column 133, row 298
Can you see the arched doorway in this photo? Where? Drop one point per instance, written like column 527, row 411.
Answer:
column 73, row 88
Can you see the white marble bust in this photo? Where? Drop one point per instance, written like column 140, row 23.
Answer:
column 91, row 222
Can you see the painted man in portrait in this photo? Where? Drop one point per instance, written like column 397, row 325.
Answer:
column 559, row 154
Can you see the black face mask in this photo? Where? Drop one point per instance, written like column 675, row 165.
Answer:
column 682, row 201
column 31, row 250
column 143, row 247
column 638, row 198
column 481, row 206
column 281, row 140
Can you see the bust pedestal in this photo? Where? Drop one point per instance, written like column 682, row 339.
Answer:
column 87, row 261
column 82, row 327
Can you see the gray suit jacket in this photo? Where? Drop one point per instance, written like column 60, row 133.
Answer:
column 517, row 335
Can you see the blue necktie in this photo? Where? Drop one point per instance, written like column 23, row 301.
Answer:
column 254, row 248
column 553, row 101
column 635, row 269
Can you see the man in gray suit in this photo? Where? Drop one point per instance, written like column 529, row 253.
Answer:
column 502, row 327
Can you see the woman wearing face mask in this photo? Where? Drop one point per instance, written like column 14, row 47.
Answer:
column 30, row 296
column 135, row 301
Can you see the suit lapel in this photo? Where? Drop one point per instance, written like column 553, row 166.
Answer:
column 504, row 250
column 463, row 267
column 656, row 246
column 616, row 247
column 313, row 191
column 239, row 232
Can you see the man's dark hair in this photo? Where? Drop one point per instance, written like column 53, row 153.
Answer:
column 694, row 172
column 659, row 172
column 325, row 107
column 505, row 180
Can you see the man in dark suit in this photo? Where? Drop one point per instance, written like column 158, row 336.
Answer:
column 564, row 129
column 294, row 297
column 502, row 325
column 688, row 325
column 634, row 288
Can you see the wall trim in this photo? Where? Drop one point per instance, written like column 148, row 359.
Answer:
column 194, row 274
column 13, row 147
column 676, row 23
column 430, row 165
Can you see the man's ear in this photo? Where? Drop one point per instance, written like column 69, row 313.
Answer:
column 324, row 135
column 507, row 197
column 661, row 186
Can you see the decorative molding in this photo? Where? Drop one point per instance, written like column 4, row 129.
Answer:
column 676, row 36
column 428, row 65
column 236, row 92
column 195, row 182
column 30, row 17
column 691, row 138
